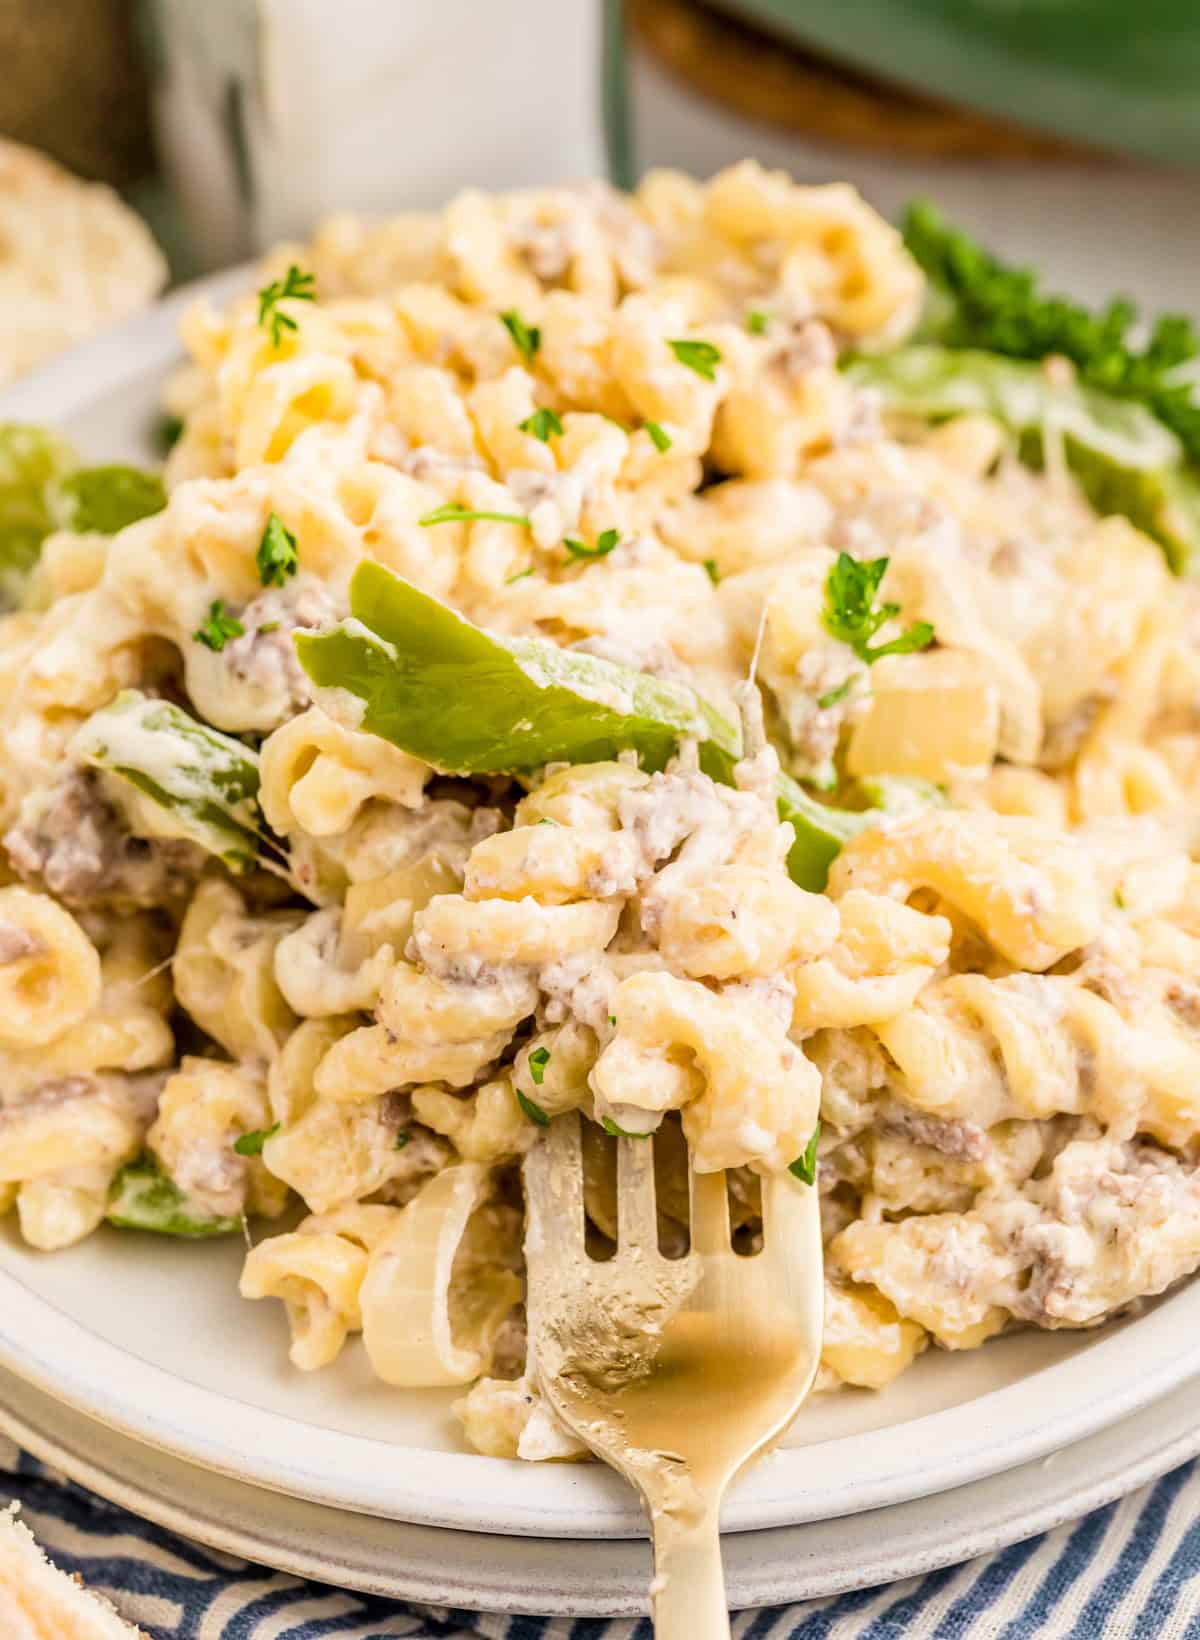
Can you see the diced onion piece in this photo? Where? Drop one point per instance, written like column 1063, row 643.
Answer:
column 935, row 716
column 418, row 1333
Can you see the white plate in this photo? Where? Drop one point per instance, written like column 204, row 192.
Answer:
column 151, row 1338
column 552, row 1578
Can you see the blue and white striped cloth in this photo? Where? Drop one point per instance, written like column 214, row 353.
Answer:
column 1130, row 1571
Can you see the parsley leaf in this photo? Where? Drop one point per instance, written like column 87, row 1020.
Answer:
column 538, row 1060
column 702, row 357
column 296, row 286
column 534, row 1112
column 609, row 1126
column 852, row 615
column 455, row 513
column 543, row 424
column 519, row 576
column 832, row 696
column 757, row 322
column 993, row 305
column 711, row 570
column 659, row 437
column 605, row 542
column 218, row 628
column 250, row 1144
column 401, row 1140
column 168, row 431
column 276, row 555
column 805, row 1165
column 526, row 338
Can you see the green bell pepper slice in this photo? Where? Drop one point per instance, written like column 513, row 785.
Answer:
column 143, row 1197
column 468, row 701
column 105, row 499
column 30, row 459
column 821, row 832
column 43, row 488
column 472, row 702
column 207, row 782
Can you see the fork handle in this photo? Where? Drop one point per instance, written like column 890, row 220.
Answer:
column 689, row 1582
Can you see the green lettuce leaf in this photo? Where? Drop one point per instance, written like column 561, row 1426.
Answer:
column 1125, row 459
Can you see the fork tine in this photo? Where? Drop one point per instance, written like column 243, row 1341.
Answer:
column 697, row 1315
column 553, row 1174
column 637, row 1210
column 790, row 1210
column 710, row 1212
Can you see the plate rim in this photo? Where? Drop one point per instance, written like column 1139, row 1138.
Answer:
column 495, row 1573
column 1058, row 1404
column 61, row 1357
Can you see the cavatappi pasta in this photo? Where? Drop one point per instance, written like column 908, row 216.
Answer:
column 277, row 955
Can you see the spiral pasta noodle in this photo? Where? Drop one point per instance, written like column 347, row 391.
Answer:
column 808, row 781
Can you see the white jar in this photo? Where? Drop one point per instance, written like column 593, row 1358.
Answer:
column 272, row 113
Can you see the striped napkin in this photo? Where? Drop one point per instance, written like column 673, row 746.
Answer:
column 1130, row 1571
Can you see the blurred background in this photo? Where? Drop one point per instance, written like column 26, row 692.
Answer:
column 1064, row 131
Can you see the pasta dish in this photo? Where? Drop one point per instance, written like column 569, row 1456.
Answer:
column 699, row 658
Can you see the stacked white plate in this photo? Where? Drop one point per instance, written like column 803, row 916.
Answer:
column 132, row 1363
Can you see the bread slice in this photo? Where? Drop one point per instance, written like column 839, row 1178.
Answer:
column 37, row 1602
column 73, row 259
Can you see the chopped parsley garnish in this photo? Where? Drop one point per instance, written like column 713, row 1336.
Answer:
column 270, row 626
column 519, row 576
column 659, row 436
column 547, row 821
column 702, row 357
column 526, row 338
column 1118, row 899
column 711, row 570
column 757, row 322
column 543, row 424
column 609, row 1126
column 168, row 431
column 218, row 628
column 401, row 1140
column 853, row 617
column 250, row 1144
column 534, row 1112
column 805, row 1165
column 296, row 286
column 1001, row 309
column 538, row 1060
column 605, row 542
column 612, row 1019
column 455, row 513
column 276, row 556
column 832, row 696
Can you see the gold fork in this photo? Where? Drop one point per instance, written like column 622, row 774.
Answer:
column 675, row 1371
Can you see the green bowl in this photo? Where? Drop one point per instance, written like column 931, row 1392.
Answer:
column 1106, row 72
